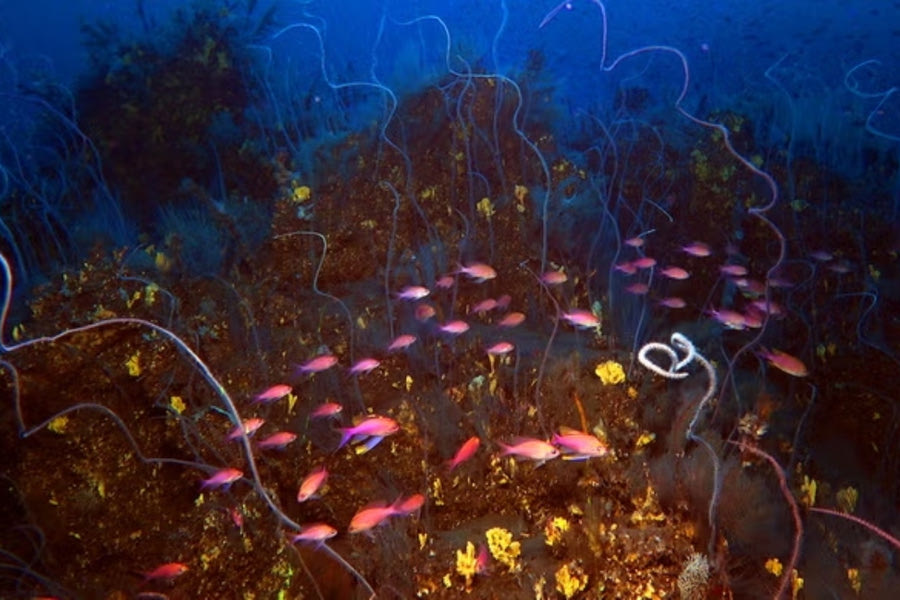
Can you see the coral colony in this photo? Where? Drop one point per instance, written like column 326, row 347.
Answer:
column 342, row 338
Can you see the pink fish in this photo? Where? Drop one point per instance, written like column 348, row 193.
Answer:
column 323, row 362
column 635, row 242
column 364, row 365
column 554, row 277
column 673, row 302
column 583, row 319
column 312, row 483
column 237, row 517
column 372, row 515
column 638, row 289
column 484, row 306
column 454, row 327
column 316, row 533
column 530, row 449
column 821, row 255
column 503, row 301
column 627, row 268
column 750, row 287
column 480, row 272
column 223, row 478
column 733, row 270
column 413, row 292
column 698, row 249
column 644, row 262
column 166, row 571
column 373, row 426
column 424, row 312
column 326, row 409
column 249, row 426
column 784, row 362
column 465, row 452
column 578, row 445
column 276, row 392
column 402, row 342
column 753, row 318
column 729, row 318
column 513, row 319
column 277, row 440
column 841, row 268
column 446, row 282
column 772, row 307
column 409, row 505
column 674, row 273
column 500, row 348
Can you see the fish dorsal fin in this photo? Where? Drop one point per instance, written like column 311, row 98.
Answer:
column 564, row 430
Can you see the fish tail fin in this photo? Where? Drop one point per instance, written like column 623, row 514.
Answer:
column 346, row 434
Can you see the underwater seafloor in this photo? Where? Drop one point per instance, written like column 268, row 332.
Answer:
column 705, row 488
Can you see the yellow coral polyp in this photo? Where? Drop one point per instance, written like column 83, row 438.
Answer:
column 59, row 424
column 570, row 580
column 301, row 193
column 134, row 364
column 502, row 547
column 555, row 529
column 467, row 563
column 486, row 208
column 610, row 372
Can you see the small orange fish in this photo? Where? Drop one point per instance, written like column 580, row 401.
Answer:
column 316, row 533
column 407, row 506
column 276, row 392
column 501, row 348
column 166, row 571
column 372, row 515
column 277, row 440
column 784, row 362
column 675, row 273
column 578, row 445
column 511, row 320
column 401, row 342
column 479, row 272
column 312, row 483
column 582, row 319
column 465, row 452
column 698, row 249
column 249, row 427
column 326, row 409
column 223, row 478
column 554, row 277
column 644, row 262
column 320, row 363
column 456, row 327
column 531, row 449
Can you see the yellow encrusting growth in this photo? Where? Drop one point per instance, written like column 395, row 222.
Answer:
column 808, row 491
column 300, row 193
column 847, row 498
column 555, row 529
column 467, row 563
column 59, row 424
column 610, row 372
column 486, row 208
column 177, row 404
column 570, row 579
column 503, row 548
column 855, row 580
column 133, row 364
